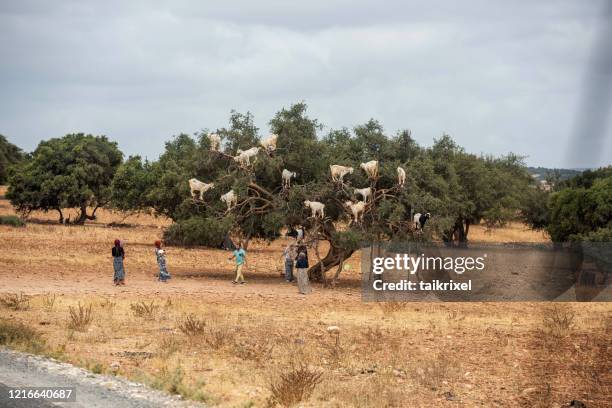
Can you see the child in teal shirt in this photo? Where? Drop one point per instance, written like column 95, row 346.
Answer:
column 240, row 255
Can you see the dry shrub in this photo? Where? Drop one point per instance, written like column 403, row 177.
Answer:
column 432, row 372
column 373, row 335
column 332, row 349
column 144, row 310
column 558, row 321
column 108, row 305
column 454, row 319
column 294, row 385
column 253, row 349
column 168, row 345
column 388, row 308
column 216, row 337
column 15, row 301
column 378, row 392
column 173, row 382
column 80, row 317
column 48, row 301
column 192, row 326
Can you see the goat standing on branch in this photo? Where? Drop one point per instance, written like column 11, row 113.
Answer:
column 197, row 186
column 357, row 209
column 317, row 209
column 215, row 141
column 230, row 199
column 338, row 172
column 420, row 220
column 401, row 176
column 269, row 143
column 370, row 168
column 365, row 193
column 244, row 156
column 287, row 175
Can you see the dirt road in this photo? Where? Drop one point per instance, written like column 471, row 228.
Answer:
column 92, row 390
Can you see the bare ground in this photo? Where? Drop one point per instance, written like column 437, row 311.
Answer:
column 412, row 355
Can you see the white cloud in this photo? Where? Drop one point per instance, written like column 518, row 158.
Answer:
column 498, row 77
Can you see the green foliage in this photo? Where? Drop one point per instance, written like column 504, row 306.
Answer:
column 456, row 187
column 534, row 210
column 11, row 220
column 9, row 156
column 582, row 212
column 74, row 171
column 587, row 178
column 198, row 231
column 131, row 184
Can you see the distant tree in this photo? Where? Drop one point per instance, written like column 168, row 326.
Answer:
column 74, row 171
column 131, row 184
column 579, row 212
column 534, row 210
column 9, row 156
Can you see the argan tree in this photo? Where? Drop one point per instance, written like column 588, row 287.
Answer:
column 74, row 171
column 457, row 188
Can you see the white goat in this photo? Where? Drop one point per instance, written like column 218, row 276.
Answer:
column 317, row 208
column 269, row 143
column 365, row 193
column 244, row 156
column 357, row 209
column 215, row 141
column 287, row 175
column 371, row 168
column 197, row 185
column 230, row 199
column 401, row 176
column 338, row 172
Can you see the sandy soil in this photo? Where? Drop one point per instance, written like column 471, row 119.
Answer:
column 414, row 354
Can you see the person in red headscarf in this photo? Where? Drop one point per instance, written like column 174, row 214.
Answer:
column 118, row 257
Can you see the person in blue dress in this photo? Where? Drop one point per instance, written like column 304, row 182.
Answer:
column 118, row 257
column 164, row 275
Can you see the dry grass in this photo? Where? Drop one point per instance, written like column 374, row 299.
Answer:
column 14, row 301
column 145, row 310
column 245, row 341
column 558, row 321
column 48, row 301
column 80, row 317
column 21, row 336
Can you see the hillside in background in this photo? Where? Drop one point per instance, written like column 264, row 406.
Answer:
column 564, row 174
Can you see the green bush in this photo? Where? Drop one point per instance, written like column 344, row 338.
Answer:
column 208, row 232
column 11, row 220
column 580, row 212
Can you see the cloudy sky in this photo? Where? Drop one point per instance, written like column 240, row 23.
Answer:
column 498, row 76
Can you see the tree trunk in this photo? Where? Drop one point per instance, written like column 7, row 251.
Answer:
column 61, row 215
column 83, row 216
column 333, row 258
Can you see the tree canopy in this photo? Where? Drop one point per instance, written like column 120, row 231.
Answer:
column 74, row 171
column 9, row 156
column 582, row 210
column 457, row 188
